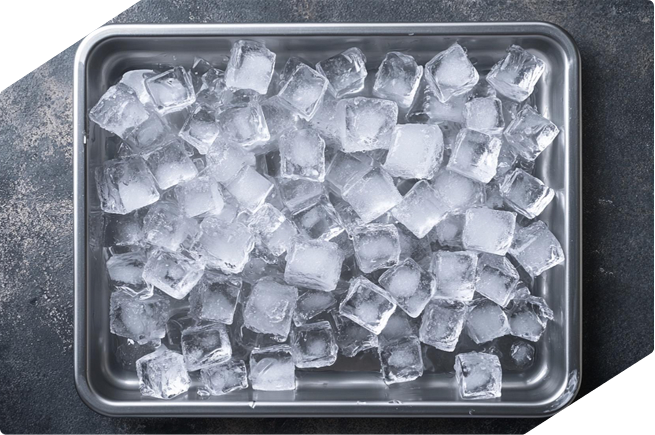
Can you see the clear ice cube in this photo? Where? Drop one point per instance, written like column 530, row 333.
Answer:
column 345, row 72
column 272, row 369
column 149, row 135
column 372, row 195
column 536, row 249
column 173, row 273
column 278, row 117
column 250, row 188
column 351, row 337
column 345, row 167
column 530, row 133
column 479, row 375
column 251, row 66
column 205, row 345
column 485, row 115
column 172, row 90
column 310, row 304
column 314, row 345
column 320, row 221
column 487, row 230
column 313, row 264
column 455, row 273
column 162, row 374
column 516, row 75
column 451, row 73
column 272, row 229
column 136, row 79
column 302, row 155
column 522, row 354
column 119, row 111
column 526, row 194
column 416, row 151
column 475, row 155
column 269, row 308
column 456, row 191
column 165, row 226
column 304, row 91
column 199, row 195
column 399, row 326
column 123, row 230
column 347, row 215
column 426, row 107
column 325, row 120
column 125, row 185
column 200, row 129
column 448, row 232
column 367, row 305
column 126, row 274
column 398, row 78
column 224, row 245
column 486, row 320
column 366, row 123
column 409, row 286
column 497, row 278
column 528, row 316
column 215, row 297
column 377, row 246
column 442, row 323
column 141, row 320
column 224, row 161
column 420, row 209
column 225, row 377
column 243, row 125
column 170, row 165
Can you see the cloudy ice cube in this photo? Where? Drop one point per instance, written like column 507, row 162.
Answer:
column 475, row 155
column 243, row 125
column 426, row 107
column 225, row 377
column 526, row 194
column 442, row 323
column 522, row 354
column 302, row 155
column 162, row 374
column 456, row 191
column 530, row 133
column 451, row 73
column 128, row 352
column 479, row 375
column 119, row 111
column 224, row 161
column 377, row 246
column 272, row 368
column 416, row 151
column 401, row 360
column 224, row 245
column 205, row 345
column 141, row 320
column 528, row 316
column 345, row 167
column 272, row 229
column 173, row 273
column 125, row 185
column 372, row 195
column 455, row 273
column 171, row 90
column 398, row 78
column 351, row 337
column 448, row 232
column 516, row 75
column 409, row 286
column 215, row 297
column 536, row 249
column 366, row 123
column 420, row 209
column 367, row 305
column 199, row 195
column 399, row 326
column 250, row 188
column 497, row 278
column 310, row 304
column 488, row 230
column 299, row 194
column 123, row 230
column 314, row 345
column 165, row 226
column 136, row 79
column 200, row 129
column 345, row 72
column 125, row 273
column 251, row 66
column 270, row 306
column 170, row 165
column 485, row 320
column 304, row 91
column 313, row 264
column 320, row 221
column 485, row 115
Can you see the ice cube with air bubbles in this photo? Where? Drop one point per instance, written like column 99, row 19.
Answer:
column 119, row 111
column 314, row 345
column 225, row 246
column 451, row 73
column 479, row 375
column 485, row 115
column 416, row 151
column 126, row 274
column 497, row 278
column 456, row 191
column 170, row 165
column 304, row 90
column 420, row 209
column 455, row 273
column 516, row 75
column 215, row 297
column 320, row 221
column 162, row 374
column 249, row 188
column 243, row 125
column 272, row 368
column 526, row 194
column 224, row 161
column 372, row 195
column 528, row 316
column 366, row 124
column 536, row 248
column 141, row 320
column 251, row 66
column 302, row 155
column 272, row 229
column 310, row 304
column 125, row 185
column 398, row 78
column 269, row 308
column 345, row 72
column 205, row 345
column 487, row 230
column 377, row 246
column 200, row 129
column 475, row 155
column 166, row 227
column 442, row 323
column 530, row 133
column 367, row 305
column 486, row 320
column 522, row 354
column 409, row 286
column 199, row 195
column 401, row 360
column 313, row 264
column 171, row 90
column 225, row 377
column 173, row 273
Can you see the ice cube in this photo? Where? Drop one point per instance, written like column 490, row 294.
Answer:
column 451, row 73
column 526, row 194
column 346, row 72
column 372, row 195
column 278, row 117
column 528, row 316
column 299, row 195
column 397, row 78
column 442, row 323
column 172, row 90
column 215, row 297
column 314, row 345
column 141, row 320
column 225, row 377
column 426, row 107
column 455, row 273
column 205, row 345
column 200, row 129
column 174, row 327
column 516, row 75
column 244, row 125
column 479, row 375
column 166, row 227
column 475, row 155
column 399, row 326
column 348, row 217
column 312, row 303
column 536, row 249
column 366, row 123
column 270, row 306
column 456, row 191
column 485, row 320
column 129, row 351
column 251, row 66
column 345, row 167
column 162, row 374
column 420, row 209
column 304, row 91
column 522, row 354
column 170, row 165
column 125, row 185
column 367, row 305
column 149, row 135
column 320, row 221
column 325, row 119
column 409, row 286
column 448, row 232
column 401, row 360
column 416, row 151
column 488, row 230
column 351, row 337
column 313, row 264
column 199, row 195
column 302, row 155
column 272, row 369
column 377, row 246
column 224, row 161
column 224, row 245
column 125, row 273
column 136, row 79
column 199, row 68
column 119, row 111
column 173, row 273
column 485, row 115
column 497, row 278
column 250, row 188
column 272, row 229
column 123, row 230
column 530, row 133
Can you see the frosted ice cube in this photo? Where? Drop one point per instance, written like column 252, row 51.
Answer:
column 200, row 129
column 367, row 305
column 119, row 111
column 528, row 316
column 205, row 345
column 272, row 369
column 313, row 264
column 397, row 78
column 125, row 185
column 401, row 360
column 456, row 191
column 225, row 377
column 199, row 195
column 136, row 79
column 455, row 273
column 312, row 303
column 224, row 245
column 302, row 155
column 479, row 375
column 224, row 161
column 475, row 155
column 497, row 278
column 272, row 229
column 377, row 246
column 215, row 297
column 162, row 374
column 451, row 73
column 526, row 194
column 522, row 354
column 250, row 188
column 516, row 75
column 299, row 194
column 170, row 165
column 173, row 273
column 416, row 151
column 128, row 352
column 171, row 90
column 420, row 209
column 409, row 286
column 488, row 230
column 165, row 226
column 141, row 320
column 372, row 195
column 314, row 345
column 485, row 320
column 448, row 232
column 304, row 91
column 530, row 133
column 123, row 230
column 426, row 107
column 536, row 249
column 251, row 66
column 399, row 326
column 485, row 115
column 442, row 323
column 278, row 117
column 243, row 125
column 269, row 308
column 346, row 72
column 351, row 337
column 125, row 273
column 345, row 167
column 320, row 221
column 366, row 123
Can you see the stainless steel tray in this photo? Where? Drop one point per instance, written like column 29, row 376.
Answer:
column 552, row 381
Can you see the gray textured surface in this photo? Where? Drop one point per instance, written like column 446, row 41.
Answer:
column 37, row 394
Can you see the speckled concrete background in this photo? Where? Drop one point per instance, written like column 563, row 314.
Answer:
column 37, row 393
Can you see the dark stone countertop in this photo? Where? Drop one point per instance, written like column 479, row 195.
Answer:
column 37, row 392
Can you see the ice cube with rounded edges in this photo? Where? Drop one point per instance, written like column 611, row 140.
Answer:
column 488, row 230
column 125, row 185
column 224, row 377
column 427, row 109
column 251, row 66
column 272, row 368
column 401, row 360
column 165, row 226
column 304, row 91
column 162, row 374
column 475, row 155
column 398, row 78
column 420, row 209
column 141, row 320
column 170, row 165
column 250, row 188
column 314, row 345
column 416, row 151
column 497, row 278
column 224, row 161
column 224, row 245
column 244, row 125
column 456, row 191
column 313, row 264
column 205, row 345
column 367, row 305
column 485, row 320
column 171, row 90
column 526, row 194
column 215, row 297
column 126, row 274
column 530, row 133
column 479, row 375
column 366, row 123
column 377, row 246
column 516, row 75
column 200, row 129
column 310, row 304
column 536, row 248
column 351, row 337
column 149, row 135
column 320, row 221
column 345, row 72
column 119, row 111
column 270, row 306
column 451, row 73
column 455, row 274
column 409, row 286
column 485, row 115
column 173, row 273
column 136, row 79
column 442, row 323
column 528, row 316
column 372, row 195
column 302, row 155
column 199, row 195
column 272, row 229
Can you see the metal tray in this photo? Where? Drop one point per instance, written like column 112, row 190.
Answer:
column 552, row 381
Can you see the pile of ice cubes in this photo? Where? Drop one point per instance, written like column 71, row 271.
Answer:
column 263, row 221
